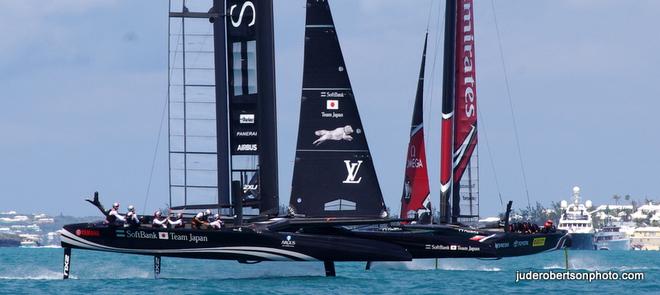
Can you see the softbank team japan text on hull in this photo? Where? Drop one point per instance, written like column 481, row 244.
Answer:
column 242, row 244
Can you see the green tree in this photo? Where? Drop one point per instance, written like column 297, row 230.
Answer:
column 556, row 211
column 539, row 214
column 616, row 199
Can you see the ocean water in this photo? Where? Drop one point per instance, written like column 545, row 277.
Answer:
column 38, row 271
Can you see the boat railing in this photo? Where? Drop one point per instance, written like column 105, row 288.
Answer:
column 576, row 217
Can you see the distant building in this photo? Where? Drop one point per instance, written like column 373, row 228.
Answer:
column 18, row 229
column 615, row 207
column 612, row 213
column 14, row 219
column 44, row 220
column 646, row 238
column 33, row 227
column 649, row 214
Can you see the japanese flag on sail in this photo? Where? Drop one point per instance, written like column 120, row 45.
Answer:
column 332, row 104
column 162, row 235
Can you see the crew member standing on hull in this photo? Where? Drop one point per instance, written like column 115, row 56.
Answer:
column 113, row 215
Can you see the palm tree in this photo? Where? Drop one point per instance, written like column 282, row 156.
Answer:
column 556, row 207
column 627, row 197
column 616, row 199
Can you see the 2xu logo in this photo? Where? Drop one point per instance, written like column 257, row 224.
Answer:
column 241, row 14
column 67, row 265
column 352, row 169
column 250, row 187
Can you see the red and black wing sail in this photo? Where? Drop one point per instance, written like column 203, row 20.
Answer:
column 415, row 201
column 333, row 174
column 459, row 107
column 465, row 106
column 447, row 128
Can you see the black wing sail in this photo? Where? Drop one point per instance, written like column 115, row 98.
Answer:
column 251, row 79
column 334, row 174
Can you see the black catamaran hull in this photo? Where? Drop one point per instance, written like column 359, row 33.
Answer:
column 243, row 246
column 445, row 241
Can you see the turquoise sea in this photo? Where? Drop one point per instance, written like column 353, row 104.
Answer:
column 38, row 271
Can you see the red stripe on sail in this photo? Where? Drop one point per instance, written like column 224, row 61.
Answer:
column 446, row 161
column 465, row 104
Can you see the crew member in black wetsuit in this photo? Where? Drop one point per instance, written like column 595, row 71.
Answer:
column 535, row 228
column 114, row 218
column 132, row 219
column 515, row 227
column 525, row 228
column 548, row 227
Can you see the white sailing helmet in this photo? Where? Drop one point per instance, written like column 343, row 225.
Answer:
column 115, row 205
column 216, row 216
column 158, row 214
column 207, row 212
column 131, row 208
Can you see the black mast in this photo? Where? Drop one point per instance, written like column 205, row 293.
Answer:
column 267, row 111
column 221, row 100
column 252, row 103
column 448, row 103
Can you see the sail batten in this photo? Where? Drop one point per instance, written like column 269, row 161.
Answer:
column 333, row 173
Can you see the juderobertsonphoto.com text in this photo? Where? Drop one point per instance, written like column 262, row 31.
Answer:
column 578, row 276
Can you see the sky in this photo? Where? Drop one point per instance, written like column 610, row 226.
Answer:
column 84, row 84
